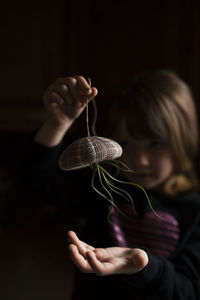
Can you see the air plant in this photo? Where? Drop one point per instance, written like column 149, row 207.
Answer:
column 95, row 151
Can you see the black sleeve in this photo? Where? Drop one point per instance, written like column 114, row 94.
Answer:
column 40, row 179
column 178, row 279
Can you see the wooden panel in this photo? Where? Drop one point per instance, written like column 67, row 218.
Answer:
column 31, row 57
column 108, row 41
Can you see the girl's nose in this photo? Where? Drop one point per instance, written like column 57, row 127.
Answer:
column 143, row 159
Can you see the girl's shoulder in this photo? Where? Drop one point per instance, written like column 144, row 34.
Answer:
column 190, row 200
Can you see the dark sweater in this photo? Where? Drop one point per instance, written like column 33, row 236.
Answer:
column 172, row 240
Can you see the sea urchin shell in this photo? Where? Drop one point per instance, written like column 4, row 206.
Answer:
column 87, row 151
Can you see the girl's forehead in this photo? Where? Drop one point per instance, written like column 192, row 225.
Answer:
column 138, row 128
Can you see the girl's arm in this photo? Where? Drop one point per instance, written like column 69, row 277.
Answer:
column 38, row 175
column 145, row 276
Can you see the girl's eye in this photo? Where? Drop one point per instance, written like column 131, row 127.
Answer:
column 157, row 145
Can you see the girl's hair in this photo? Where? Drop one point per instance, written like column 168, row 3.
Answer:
column 159, row 104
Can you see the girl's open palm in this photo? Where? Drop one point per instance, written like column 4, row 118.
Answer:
column 105, row 261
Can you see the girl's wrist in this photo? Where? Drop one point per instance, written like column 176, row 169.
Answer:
column 51, row 134
column 56, row 125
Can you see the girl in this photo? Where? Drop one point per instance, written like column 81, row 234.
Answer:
column 150, row 254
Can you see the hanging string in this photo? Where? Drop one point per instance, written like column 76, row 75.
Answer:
column 94, row 114
column 87, row 119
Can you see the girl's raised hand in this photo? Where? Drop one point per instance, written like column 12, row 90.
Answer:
column 66, row 98
column 105, row 261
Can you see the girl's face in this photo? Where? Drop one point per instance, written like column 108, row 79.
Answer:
column 151, row 159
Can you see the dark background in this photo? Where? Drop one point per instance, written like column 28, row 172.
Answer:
column 39, row 42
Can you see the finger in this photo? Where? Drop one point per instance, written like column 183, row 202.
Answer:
column 53, row 97
column 73, row 89
column 96, row 265
column 101, row 253
column 93, row 94
column 89, row 247
column 75, row 240
column 140, row 259
column 84, row 85
column 79, row 89
column 89, row 97
column 82, row 247
column 65, row 88
column 78, row 259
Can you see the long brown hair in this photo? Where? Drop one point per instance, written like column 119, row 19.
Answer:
column 160, row 104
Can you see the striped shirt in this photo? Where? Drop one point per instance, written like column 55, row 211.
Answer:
column 158, row 232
